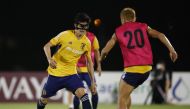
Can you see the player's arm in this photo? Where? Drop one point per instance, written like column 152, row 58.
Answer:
column 90, row 70
column 108, row 47
column 97, row 56
column 78, row 69
column 47, row 49
column 156, row 34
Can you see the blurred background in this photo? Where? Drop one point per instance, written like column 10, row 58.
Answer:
column 27, row 25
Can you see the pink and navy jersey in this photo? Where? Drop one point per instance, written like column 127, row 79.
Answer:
column 82, row 60
column 134, row 44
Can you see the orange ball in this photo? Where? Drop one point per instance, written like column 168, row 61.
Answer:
column 97, row 22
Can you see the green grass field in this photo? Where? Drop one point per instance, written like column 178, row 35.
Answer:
column 101, row 106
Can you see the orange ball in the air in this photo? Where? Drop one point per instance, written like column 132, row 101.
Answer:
column 97, row 22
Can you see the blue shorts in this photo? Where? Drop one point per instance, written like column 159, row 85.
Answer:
column 135, row 79
column 85, row 77
column 53, row 84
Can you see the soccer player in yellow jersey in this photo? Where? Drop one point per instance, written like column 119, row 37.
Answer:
column 62, row 65
column 133, row 39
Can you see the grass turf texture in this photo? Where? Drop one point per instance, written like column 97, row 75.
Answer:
column 101, row 106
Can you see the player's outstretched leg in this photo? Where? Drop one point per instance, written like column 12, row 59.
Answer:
column 76, row 102
column 94, row 100
column 80, row 93
column 42, row 103
column 124, row 95
column 129, row 102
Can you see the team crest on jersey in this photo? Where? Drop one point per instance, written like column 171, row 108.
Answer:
column 82, row 45
column 70, row 42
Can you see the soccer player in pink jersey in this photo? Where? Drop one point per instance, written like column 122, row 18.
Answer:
column 83, row 71
column 137, row 54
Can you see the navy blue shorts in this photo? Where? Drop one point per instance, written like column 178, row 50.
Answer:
column 85, row 77
column 53, row 84
column 135, row 79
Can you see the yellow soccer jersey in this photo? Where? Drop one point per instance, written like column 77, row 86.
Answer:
column 138, row 69
column 68, row 54
column 95, row 46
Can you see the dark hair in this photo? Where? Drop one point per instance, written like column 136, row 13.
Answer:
column 82, row 17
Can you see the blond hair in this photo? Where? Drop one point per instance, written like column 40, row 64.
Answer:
column 128, row 14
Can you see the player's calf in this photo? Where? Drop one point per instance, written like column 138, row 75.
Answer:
column 94, row 100
column 80, row 93
column 76, row 102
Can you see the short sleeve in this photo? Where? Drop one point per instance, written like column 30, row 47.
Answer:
column 88, row 51
column 56, row 39
column 96, row 44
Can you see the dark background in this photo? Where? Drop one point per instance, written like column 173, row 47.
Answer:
column 25, row 26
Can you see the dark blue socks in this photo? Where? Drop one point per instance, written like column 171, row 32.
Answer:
column 94, row 101
column 40, row 105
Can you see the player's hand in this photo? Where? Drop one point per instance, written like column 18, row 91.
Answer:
column 93, row 87
column 173, row 55
column 99, row 70
column 52, row 63
column 102, row 57
column 78, row 70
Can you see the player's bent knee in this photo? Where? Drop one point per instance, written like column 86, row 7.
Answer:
column 80, row 92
